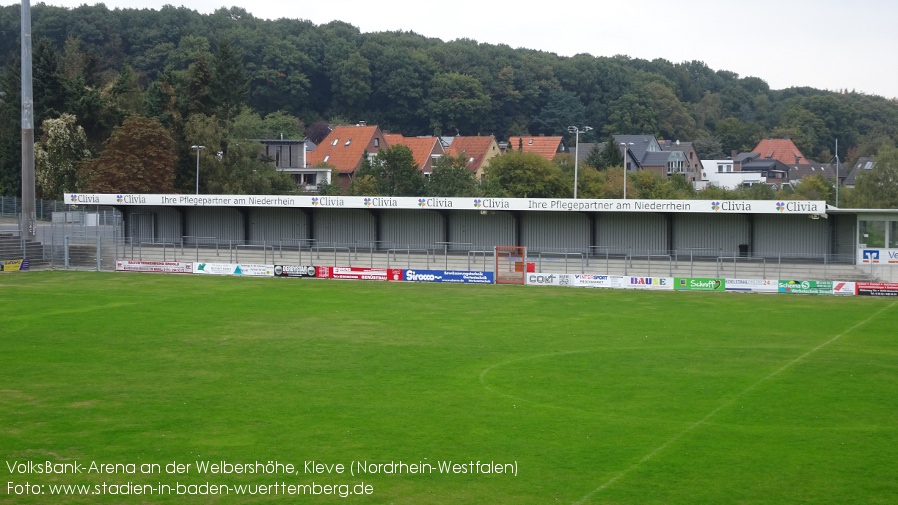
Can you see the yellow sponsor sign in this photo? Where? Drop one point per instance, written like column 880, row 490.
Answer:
column 11, row 265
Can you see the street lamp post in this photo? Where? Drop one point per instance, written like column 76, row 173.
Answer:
column 577, row 131
column 624, row 147
column 198, row 149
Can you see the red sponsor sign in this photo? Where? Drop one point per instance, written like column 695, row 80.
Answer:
column 360, row 273
column 877, row 289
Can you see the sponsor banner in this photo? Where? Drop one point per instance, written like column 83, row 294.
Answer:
column 168, row 267
column 451, row 276
column 15, row 265
column 877, row 257
column 360, row 273
column 599, row 281
column 483, row 204
column 545, row 279
column 844, row 288
column 806, row 287
column 657, row 283
column 294, row 271
column 752, row 285
column 249, row 270
column 876, row 288
column 699, row 284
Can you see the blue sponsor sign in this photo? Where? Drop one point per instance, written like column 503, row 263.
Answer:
column 871, row 255
column 455, row 276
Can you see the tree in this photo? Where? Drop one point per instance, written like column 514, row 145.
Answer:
column 609, row 156
column 317, row 131
column 395, row 172
column 562, row 109
column 528, row 175
column 58, row 156
column 878, row 188
column 456, row 103
column 709, row 148
column 139, row 157
column 451, row 177
column 815, row 187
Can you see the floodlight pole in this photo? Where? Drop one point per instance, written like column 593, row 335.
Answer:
column 577, row 131
column 624, row 146
column 29, row 217
column 198, row 149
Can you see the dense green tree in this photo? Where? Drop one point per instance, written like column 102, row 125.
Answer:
column 527, row 175
column 562, row 109
column 395, row 171
column 709, row 148
column 11, row 129
column 139, row 157
column 452, row 177
column 455, row 103
column 878, row 188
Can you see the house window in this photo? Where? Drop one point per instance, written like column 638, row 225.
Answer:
column 872, row 233
column 327, row 158
column 376, row 142
column 335, row 142
column 347, row 142
column 309, row 179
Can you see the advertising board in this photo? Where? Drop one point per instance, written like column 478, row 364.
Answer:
column 876, row 288
column 167, row 267
column 15, row 265
column 360, row 273
column 547, row 279
column 699, row 284
column 294, row 271
column 653, row 283
column 844, row 288
column 450, row 276
column 243, row 269
column 874, row 256
column 599, row 281
column 751, row 285
column 805, row 287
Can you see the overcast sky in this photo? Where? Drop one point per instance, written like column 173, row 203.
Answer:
column 825, row 44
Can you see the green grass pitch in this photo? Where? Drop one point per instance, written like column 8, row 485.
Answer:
column 594, row 396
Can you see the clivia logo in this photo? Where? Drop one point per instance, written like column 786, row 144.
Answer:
column 314, row 200
column 780, row 206
column 119, row 198
column 478, row 203
column 367, row 202
column 715, row 206
column 74, row 198
column 422, row 202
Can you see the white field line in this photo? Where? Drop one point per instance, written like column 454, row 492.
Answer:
column 722, row 406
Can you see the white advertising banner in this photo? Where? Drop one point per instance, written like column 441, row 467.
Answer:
column 249, row 270
column 752, row 285
column 168, row 267
column 483, row 204
column 868, row 256
column 600, row 281
column 545, row 279
column 654, row 283
column 844, row 288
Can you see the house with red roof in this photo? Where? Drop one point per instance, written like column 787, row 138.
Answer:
column 425, row 150
column 547, row 147
column 345, row 148
column 478, row 151
column 783, row 150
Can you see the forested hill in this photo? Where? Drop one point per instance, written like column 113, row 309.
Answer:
column 176, row 61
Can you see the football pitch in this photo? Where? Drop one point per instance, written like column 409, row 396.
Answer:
column 148, row 388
